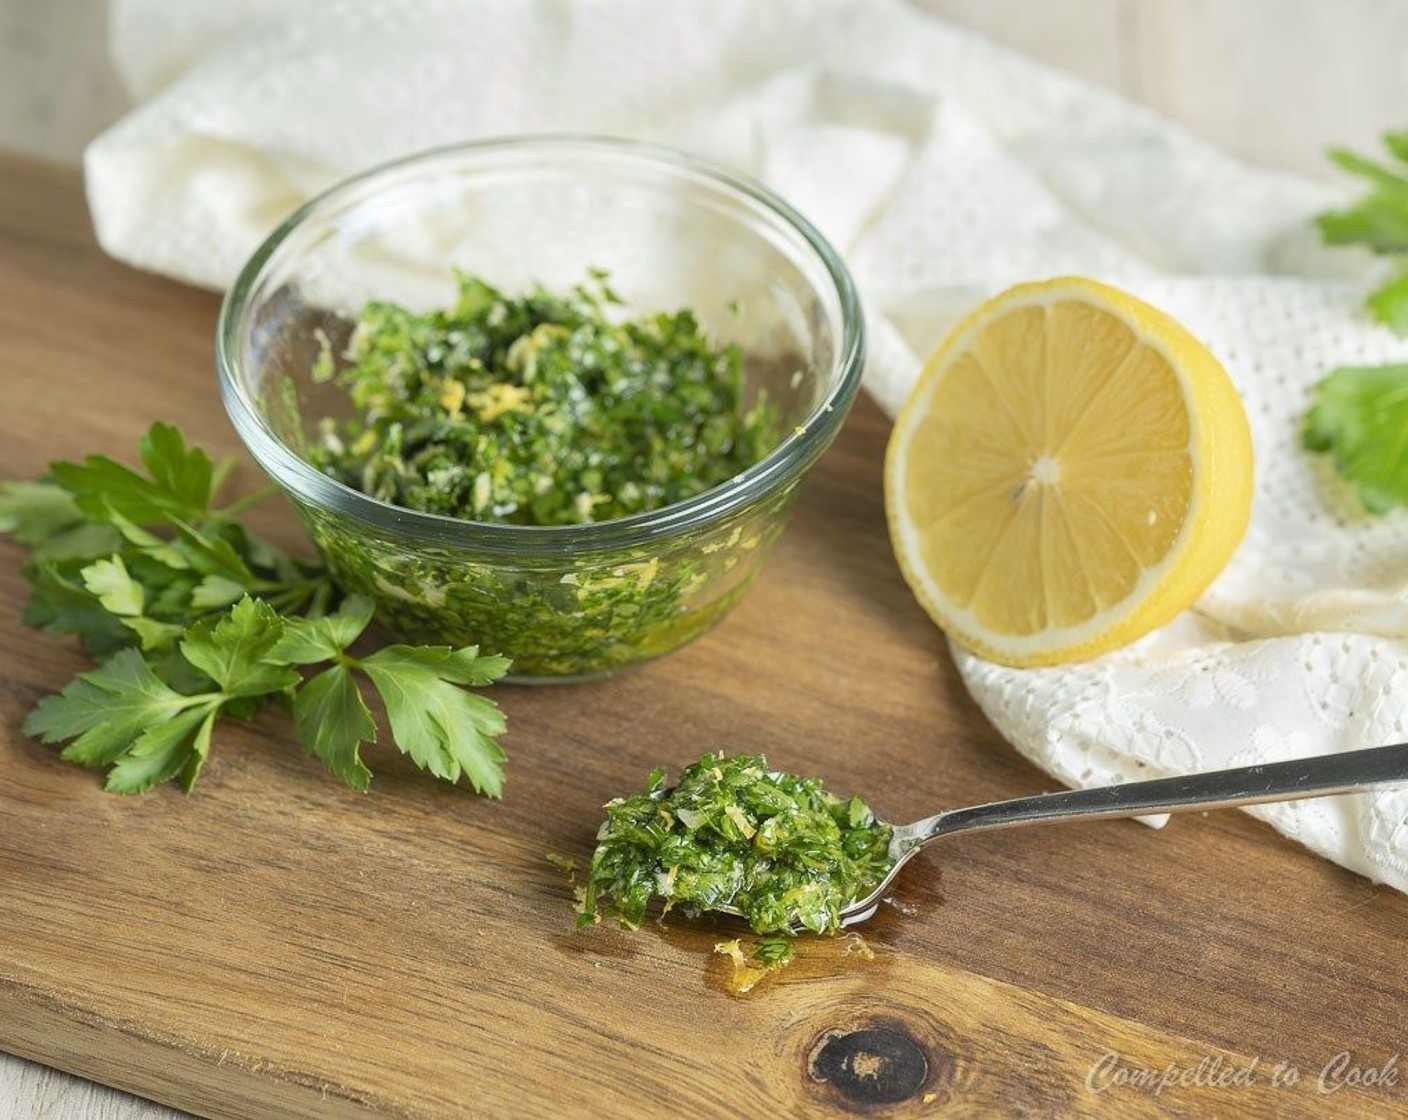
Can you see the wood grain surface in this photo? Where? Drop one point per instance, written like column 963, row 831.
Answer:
column 277, row 944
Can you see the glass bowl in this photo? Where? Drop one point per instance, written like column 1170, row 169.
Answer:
column 564, row 602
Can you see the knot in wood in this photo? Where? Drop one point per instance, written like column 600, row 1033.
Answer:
column 873, row 1065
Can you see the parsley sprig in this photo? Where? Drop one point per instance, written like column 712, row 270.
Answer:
column 193, row 618
column 1379, row 222
column 1360, row 413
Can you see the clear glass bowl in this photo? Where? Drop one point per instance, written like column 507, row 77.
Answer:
column 564, row 602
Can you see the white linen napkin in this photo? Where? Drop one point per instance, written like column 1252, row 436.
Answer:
column 944, row 168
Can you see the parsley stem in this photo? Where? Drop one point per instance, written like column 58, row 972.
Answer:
column 219, row 472
column 239, row 505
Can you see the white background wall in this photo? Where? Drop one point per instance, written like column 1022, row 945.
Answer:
column 1276, row 81
column 57, row 89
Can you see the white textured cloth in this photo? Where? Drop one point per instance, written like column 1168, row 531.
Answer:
column 945, row 169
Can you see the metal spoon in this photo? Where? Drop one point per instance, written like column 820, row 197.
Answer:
column 1216, row 789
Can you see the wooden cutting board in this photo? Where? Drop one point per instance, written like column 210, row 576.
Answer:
column 277, row 944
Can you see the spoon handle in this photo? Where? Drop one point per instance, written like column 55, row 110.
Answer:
column 1214, row 789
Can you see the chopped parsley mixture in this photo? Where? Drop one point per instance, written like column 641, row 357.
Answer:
column 731, row 833
column 542, row 409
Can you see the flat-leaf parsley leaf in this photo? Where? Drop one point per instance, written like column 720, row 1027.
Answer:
column 1360, row 413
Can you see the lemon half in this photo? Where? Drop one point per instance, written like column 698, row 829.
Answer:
column 1072, row 470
